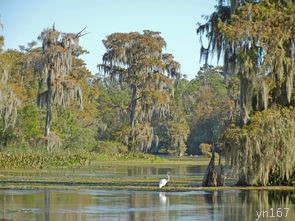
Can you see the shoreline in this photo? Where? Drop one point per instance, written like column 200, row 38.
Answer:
column 29, row 185
column 95, row 176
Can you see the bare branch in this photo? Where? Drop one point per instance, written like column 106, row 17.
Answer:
column 79, row 34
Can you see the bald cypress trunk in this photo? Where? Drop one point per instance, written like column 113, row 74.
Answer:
column 48, row 107
column 53, row 70
column 210, row 178
column 245, row 100
column 48, row 114
column 132, row 116
column 214, row 175
column 220, row 175
column 133, row 106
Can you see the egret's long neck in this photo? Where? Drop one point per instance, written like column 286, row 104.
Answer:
column 168, row 177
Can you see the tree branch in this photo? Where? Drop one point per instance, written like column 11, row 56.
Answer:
column 79, row 34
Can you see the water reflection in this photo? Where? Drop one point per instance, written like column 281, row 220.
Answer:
column 102, row 170
column 88, row 205
column 163, row 199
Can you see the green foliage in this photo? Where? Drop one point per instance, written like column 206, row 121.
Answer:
column 172, row 129
column 210, row 108
column 110, row 147
column 28, row 124
column 211, row 80
column 37, row 158
column 125, row 157
column 73, row 133
column 186, row 92
column 206, row 149
column 7, row 135
column 178, row 132
column 112, row 106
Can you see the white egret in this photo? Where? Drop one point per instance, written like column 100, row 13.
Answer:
column 163, row 182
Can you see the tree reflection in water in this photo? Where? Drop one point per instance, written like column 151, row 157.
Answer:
column 244, row 205
column 85, row 205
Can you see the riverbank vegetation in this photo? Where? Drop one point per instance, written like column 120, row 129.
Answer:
column 55, row 113
column 81, row 159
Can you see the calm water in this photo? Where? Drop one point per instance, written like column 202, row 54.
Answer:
column 120, row 205
column 117, row 171
column 90, row 205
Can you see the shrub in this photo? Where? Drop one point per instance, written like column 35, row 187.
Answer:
column 206, row 149
column 110, row 147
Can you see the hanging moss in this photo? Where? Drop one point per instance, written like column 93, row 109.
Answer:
column 263, row 152
column 137, row 59
column 8, row 106
column 142, row 137
column 8, row 99
column 178, row 131
column 53, row 70
column 257, row 43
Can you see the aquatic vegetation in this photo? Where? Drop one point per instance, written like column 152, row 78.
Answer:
column 40, row 160
column 37, row 160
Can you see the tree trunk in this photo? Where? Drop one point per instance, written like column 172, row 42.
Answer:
column 244, row 100
column 133, row 106
column 210, row 178
column 214, row 177
column 48, row 114
column 48, row 107
column 220, row 175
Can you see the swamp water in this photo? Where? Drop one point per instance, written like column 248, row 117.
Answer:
column 90, row 205
column 27, row 203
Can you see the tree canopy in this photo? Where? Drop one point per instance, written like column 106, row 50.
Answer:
column 256, row 41
column 138, row 60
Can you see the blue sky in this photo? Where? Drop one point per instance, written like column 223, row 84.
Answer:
column 177, row 20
